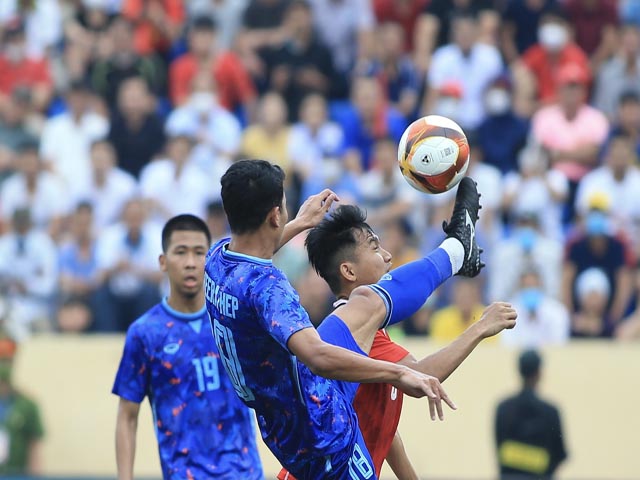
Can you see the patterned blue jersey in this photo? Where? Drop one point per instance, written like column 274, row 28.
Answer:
column 203, row 430
column 304, row 418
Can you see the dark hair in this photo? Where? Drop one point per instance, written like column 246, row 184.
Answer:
column 84, row 205
column 334, row 240
column 29, row 145
column 629, row 96
column 250, row 189
column 619, row 134
column 529, row 364
column 203, row 23
column 184, row 222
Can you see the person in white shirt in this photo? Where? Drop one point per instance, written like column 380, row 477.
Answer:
column 66, row 138
column 127, row 255
column 28, row 274
column 34, row 188
column 471, row 64
column 109, row 188
column 619, row 180
column 174, row 184
column 542, row 320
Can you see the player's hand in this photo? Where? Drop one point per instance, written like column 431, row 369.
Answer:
column 418, row 385
column 497, row 317
column 316, row 207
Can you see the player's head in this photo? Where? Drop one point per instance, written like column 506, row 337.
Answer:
column 253, row 197
column 185, row 242
column 529, row 367
column 345, row 251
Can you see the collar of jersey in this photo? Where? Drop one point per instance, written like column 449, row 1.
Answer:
column 182, row 315
column 241, row 256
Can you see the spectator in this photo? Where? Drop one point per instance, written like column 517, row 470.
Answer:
column 395, row 70
column 629, row 11
column 528, row 432
column 597, row 246
column 542, row 320
column 216, row 220
column 620, row 73
column 619, row 180
column 473, row 65
column 347, row 28
column 228, row 14
column 521, row 20
column 21, row 453
column 78, row 273
column 571, row 130
column 14, row 129
column 629, row 328
column 383, row 191
column 42, row 20
column 19, row 69
column 136, row 130
column 526, row 247
column 368, row 118
column 536, row 189
column 436, row 27
column 628, row 118
column 190, row 189
column 543, row 61
column 34, row 188
column 594, row 25
column 233, row 83
column 592, row 294
column 158, row 23
column 28, row 273
column 449, row 322
column 217, row 132
column 269, row 138
column 109, row 189
column 503, row 133
column 405, row 13
column 127, row 255
column 300, row 64
column 66, row 138
column 121, row 62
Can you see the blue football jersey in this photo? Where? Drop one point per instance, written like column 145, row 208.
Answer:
column 203, row 429
column 304, row 419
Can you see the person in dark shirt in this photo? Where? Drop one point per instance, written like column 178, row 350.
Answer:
column 136, row 130
column 528, row 432
column 445, row 11
column 521, row 21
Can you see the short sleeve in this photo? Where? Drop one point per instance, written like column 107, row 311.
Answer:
column 384, row 348
column 278, row 307
column 132, row 379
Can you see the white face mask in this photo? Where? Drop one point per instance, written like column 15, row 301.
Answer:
column 552, row 36
column 498, row 101
column 203, row 102
column 447, row 107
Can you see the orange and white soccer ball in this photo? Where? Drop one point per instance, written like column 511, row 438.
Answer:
column 433, row 154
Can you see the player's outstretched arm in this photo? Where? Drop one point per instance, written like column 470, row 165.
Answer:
column 126, row 429
column 399, row 461
column 495, row 318
column 338, row 363
column 310, row 214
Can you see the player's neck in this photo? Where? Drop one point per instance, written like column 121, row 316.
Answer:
column 184, row 304
column 253, row 244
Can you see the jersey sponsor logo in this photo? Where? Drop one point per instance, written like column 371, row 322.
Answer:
column 171, row 348
column 394, row 393
column 386, row 276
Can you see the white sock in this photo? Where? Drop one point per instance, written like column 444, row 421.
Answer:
column 455, row 250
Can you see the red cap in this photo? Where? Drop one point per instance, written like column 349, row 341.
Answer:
column 451, row 88
column 572, row 73
column 7, row 348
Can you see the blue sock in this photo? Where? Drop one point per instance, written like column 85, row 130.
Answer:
column 406, row 289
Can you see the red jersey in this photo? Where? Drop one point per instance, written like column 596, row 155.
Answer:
column 378, row 405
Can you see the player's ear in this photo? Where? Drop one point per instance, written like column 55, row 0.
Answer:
column 162, row 260
column 347, row 272
column 274, row 217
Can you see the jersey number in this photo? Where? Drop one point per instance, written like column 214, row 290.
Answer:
column 229, row 357
column 359, row 462
column 207, row 373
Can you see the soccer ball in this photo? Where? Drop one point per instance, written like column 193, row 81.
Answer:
column 433, row 154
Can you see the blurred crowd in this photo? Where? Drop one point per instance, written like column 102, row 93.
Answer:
column 118, row 114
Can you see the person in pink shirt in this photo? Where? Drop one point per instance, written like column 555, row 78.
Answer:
column 571, row 130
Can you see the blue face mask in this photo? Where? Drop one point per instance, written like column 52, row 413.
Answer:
column 527, row 238
column 597, row 223
column 531, row 298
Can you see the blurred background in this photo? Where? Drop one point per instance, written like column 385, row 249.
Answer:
column 117, row 114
